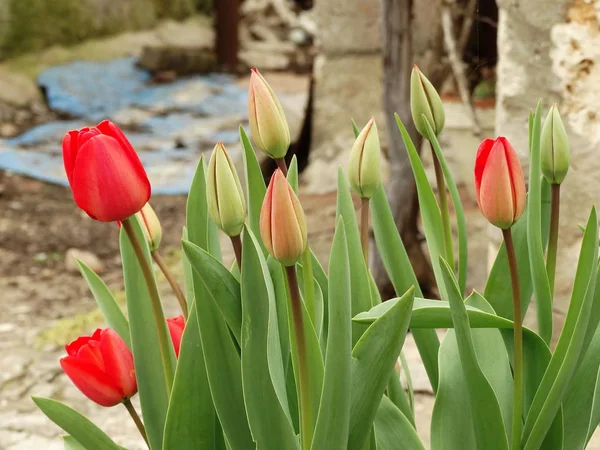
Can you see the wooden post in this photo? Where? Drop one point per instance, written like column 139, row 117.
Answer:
column 227, row 19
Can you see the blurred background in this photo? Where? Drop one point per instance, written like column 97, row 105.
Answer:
column 174, row 75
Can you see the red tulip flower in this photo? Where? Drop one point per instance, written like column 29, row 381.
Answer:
column 105, row 173
column 499, row 183
column 176, row 326
column 101, row 366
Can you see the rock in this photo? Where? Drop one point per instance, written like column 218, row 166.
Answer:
column 17, row 89
column 183, row 60
column 8, row 130
column 86, row 257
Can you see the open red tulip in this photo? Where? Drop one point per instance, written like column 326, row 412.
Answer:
column 101, row 366
column 499, row 183
column 105, row 173
column 176, row 326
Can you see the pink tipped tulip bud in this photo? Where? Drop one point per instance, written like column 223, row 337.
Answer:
column 267, row 121
column 364, row 168
column 225, row 196
column 499, row 183
column 151, row 226
column 425, row 101
column 554, row 148
column 282, row 222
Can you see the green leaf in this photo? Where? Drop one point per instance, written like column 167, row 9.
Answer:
column 221, row 358
column 399, row 268
column 373, row 359
column 355, row 128
column 281, row 301
column 292, row 175
column 393, row 431
column 563, row 364
column 430, row 213
column 396, row 394
column 191, row 421
column 267, row 415
column 152, row 384
column 321, row 279
column 333, row 420
column 187, row 274
column 72, row 444
column 409, row 385
column 487, row 418
column 255, row 185
column 106, row 302
column 581, row 397
column 359, row 277
column 220, row 283
column 79, row 427
column 461, row 224
column 495, row 289
column 541, row 285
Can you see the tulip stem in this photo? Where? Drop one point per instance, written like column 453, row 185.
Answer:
column 172, row 282
column 553, row 236
column 446, row 227
column 282, row 165
column 236, row 243
column 306, row 431
column 517, row 418
column 164, row 341
column 309, row 285
column 364, row 228
column 136, row 418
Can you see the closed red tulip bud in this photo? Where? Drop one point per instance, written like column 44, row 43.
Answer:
column 499, row 183
column 105, row 173
column 176, row 326
column 101, row 366
column 282, row 222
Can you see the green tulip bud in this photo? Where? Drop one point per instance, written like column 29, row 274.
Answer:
column 226, row 203
column 424, row 100
column 364, row 168
column 268, row 124
column 151, row 226
column 555, row 148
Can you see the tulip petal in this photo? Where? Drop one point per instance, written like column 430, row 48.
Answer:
column 287, row 236
column 231, row 210
column 483, row 153
column 118, row 361
column 69, row 148
column 107, row 183
column 265, row 219
column 93, row 383
column 74, row 346
column 517, row 179
column 495, row 192
column 176, row 326
column 91, row 354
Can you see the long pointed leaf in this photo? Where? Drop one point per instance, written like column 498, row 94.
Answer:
column 399, row 269
column 541, row 285
column 333, row 420
column 554, row 385
column 488, row 424
column 373, row 359
column 79, row 427
column 106, row 303
column 393, row 431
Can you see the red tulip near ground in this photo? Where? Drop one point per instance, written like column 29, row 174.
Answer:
column 499, row 182
column 176, row 326
column 101, row 366
column 105, row 173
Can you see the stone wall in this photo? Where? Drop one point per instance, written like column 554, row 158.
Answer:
column 551, row 50
column 30, row 25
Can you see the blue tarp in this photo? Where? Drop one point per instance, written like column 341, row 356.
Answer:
column 170, row 125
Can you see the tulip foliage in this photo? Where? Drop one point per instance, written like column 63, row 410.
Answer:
column 278, row 353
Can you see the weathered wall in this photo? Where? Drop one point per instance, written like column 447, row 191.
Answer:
column 30, row 25
column 551, row 50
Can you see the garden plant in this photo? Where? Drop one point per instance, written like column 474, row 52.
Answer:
column 276, row 352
